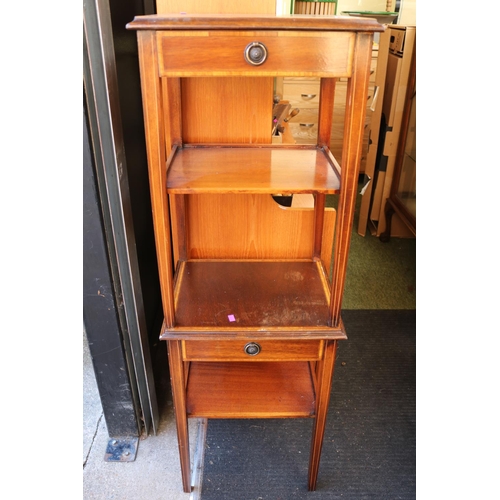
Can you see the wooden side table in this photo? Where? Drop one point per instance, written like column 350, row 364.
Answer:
column 251, row 297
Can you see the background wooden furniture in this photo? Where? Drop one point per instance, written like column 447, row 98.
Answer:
column 318, row 8
column 251, row 302
column 258, row 7
column 375, row 112
column 403, row 198
column 395, row 56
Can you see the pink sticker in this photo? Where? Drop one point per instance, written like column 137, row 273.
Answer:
column 231, row 317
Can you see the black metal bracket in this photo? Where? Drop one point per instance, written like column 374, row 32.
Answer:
column 121, row 449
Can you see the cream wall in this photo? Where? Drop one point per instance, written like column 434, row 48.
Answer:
column 407, row 15
column 373, row 5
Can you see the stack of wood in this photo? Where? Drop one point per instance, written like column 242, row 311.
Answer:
column 325, row 8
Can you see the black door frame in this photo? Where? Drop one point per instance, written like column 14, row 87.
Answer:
column 114, row 315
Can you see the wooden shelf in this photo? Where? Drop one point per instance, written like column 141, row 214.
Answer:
column 260, row 294
column 256, row 169
column 250, row 390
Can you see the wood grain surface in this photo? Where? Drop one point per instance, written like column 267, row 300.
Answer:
column 233, row 350
column 254, row 293
column 250, row 390
column 251, row 170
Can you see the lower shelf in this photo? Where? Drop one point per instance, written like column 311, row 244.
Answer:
column 250, row 390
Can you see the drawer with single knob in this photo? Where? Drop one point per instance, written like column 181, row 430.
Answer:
column 258, row 53
column 252, row 350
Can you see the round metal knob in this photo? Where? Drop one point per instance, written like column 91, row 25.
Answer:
column 252, row 349
column 255, row 53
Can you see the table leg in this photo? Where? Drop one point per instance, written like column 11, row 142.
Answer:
column 177, row 381
column 323, row 389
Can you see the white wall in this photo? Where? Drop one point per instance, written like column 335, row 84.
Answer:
column 283, row 7
column 408, row 15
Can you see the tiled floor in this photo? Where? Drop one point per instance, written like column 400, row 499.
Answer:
column 155, row 473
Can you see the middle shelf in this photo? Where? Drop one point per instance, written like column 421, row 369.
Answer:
column 252, row 169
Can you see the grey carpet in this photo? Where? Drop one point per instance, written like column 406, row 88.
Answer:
column 369, row 445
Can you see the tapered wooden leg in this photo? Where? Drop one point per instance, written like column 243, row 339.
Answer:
column 323, row 388
column 177, row 381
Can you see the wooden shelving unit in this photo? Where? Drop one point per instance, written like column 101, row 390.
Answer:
column 251, row 297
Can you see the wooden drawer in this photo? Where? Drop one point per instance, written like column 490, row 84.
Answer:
column 221, row 53
column 301, row 93
column 306, row 116
column 304, row 133
column 234, row 350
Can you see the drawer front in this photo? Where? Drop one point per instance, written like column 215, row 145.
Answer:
column 306, row 133
column 245, row 350
column 213, row 53
column 301, row 95
column 306, row 116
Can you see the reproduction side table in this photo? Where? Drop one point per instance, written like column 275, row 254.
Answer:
column 251, row 290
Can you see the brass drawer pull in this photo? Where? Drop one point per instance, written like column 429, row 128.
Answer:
column 252, row 348
column 307, row 124
column 255, row 53
column 308, row 96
